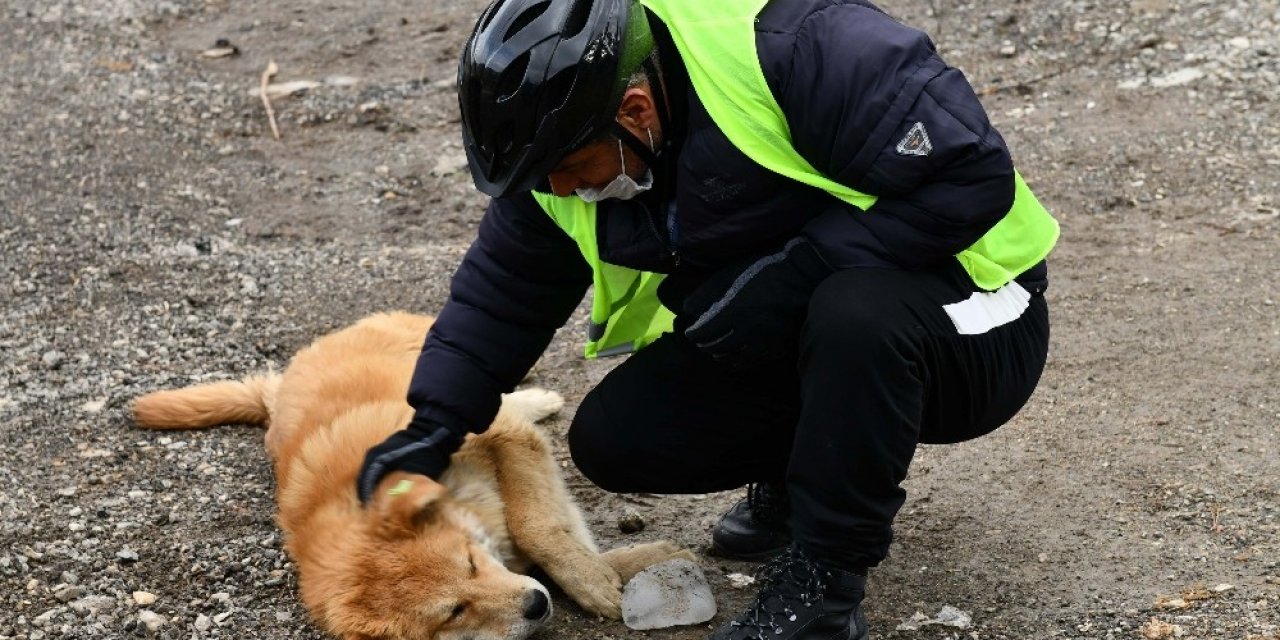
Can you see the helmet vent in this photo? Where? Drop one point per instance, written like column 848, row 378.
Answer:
column 576, row 21
column 488, row 16
column 512, row 78
column 525, row 19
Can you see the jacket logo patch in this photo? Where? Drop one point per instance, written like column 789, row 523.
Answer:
column 717, row 189
column 916, row 143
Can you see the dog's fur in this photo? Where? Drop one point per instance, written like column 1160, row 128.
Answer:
column 425, row 559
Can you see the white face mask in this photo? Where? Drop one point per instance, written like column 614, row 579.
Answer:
column 623, row 187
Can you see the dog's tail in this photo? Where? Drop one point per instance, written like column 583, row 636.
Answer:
column 248, row 401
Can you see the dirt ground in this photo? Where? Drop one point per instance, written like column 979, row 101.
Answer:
column 152, row 234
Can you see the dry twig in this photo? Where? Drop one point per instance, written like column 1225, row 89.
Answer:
column 272, row 70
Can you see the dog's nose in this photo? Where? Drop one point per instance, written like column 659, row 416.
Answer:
column 536, row 605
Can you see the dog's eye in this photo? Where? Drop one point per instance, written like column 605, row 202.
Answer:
column 457, row 612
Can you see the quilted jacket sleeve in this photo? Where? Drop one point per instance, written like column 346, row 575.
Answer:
column 519, row 282
column 871, row 105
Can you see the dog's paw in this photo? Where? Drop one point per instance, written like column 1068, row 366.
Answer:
column 533, row 404
column 628, row 561
column 597, row 588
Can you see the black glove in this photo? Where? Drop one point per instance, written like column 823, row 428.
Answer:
column 752, row 312
column 423, row 447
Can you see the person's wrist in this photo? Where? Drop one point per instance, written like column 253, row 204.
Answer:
column 420, row 448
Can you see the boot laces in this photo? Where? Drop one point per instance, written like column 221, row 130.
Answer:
column 790, row 583
column 768, row 503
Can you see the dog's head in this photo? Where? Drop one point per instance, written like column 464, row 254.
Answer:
column 415, row 568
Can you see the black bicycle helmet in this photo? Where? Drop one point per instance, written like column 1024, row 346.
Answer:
column 539, row 79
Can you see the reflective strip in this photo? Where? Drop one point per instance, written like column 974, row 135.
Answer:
column 619, row 350
column 740, row 282
column 984, row 311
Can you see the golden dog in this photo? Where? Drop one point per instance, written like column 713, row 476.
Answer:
column 425, row 559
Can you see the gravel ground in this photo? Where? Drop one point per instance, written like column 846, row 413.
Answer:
column 153, row 234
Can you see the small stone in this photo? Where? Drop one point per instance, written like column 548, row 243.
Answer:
column 740, row 581
column 203, row 623
column 668, row 594
column 448, row 164
column 95, row 605
column 1008, row 50
column 127, row 555
column 151, row 619
column 44, row 618
column 948, row 616
column 67, row 593
column 144, row 598
column 631, row 522
column 1177, row 78
column 52, row 359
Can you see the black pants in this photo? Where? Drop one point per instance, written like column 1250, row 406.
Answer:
column 881, row 367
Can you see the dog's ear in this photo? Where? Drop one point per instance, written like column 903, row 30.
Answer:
column 403, row 503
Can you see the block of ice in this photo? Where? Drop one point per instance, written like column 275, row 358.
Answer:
column 668, row 594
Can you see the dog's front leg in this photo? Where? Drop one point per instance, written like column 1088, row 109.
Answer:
column 545, row 524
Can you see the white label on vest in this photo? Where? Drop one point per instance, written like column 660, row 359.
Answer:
column 984, row 311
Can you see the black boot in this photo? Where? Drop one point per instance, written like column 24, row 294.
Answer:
column 755, row 528
column 801, row 599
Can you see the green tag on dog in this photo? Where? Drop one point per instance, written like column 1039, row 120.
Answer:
column 401, row 488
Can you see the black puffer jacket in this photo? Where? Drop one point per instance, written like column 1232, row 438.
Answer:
column 852, row 83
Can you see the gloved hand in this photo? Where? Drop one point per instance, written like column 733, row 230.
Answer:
column 752, row 312
column 423, row 447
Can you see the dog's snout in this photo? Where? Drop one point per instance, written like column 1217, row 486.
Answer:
column 536, row 605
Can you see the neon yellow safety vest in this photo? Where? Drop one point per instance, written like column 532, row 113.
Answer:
column 717, row 43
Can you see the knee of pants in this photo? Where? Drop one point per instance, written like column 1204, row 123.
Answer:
column 852, row 315
column 598, row 451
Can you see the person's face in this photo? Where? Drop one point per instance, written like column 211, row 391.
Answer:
column 597, row 164
column 592, row 167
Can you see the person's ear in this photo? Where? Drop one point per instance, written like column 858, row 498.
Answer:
column 638, row 110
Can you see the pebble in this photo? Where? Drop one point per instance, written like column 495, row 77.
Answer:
column 144, row 598
column 127, row 555
column 151, row 619
column 203, row 623
column 67, row 593
column 44, row 618
column 52, row 359
column 631, row 522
